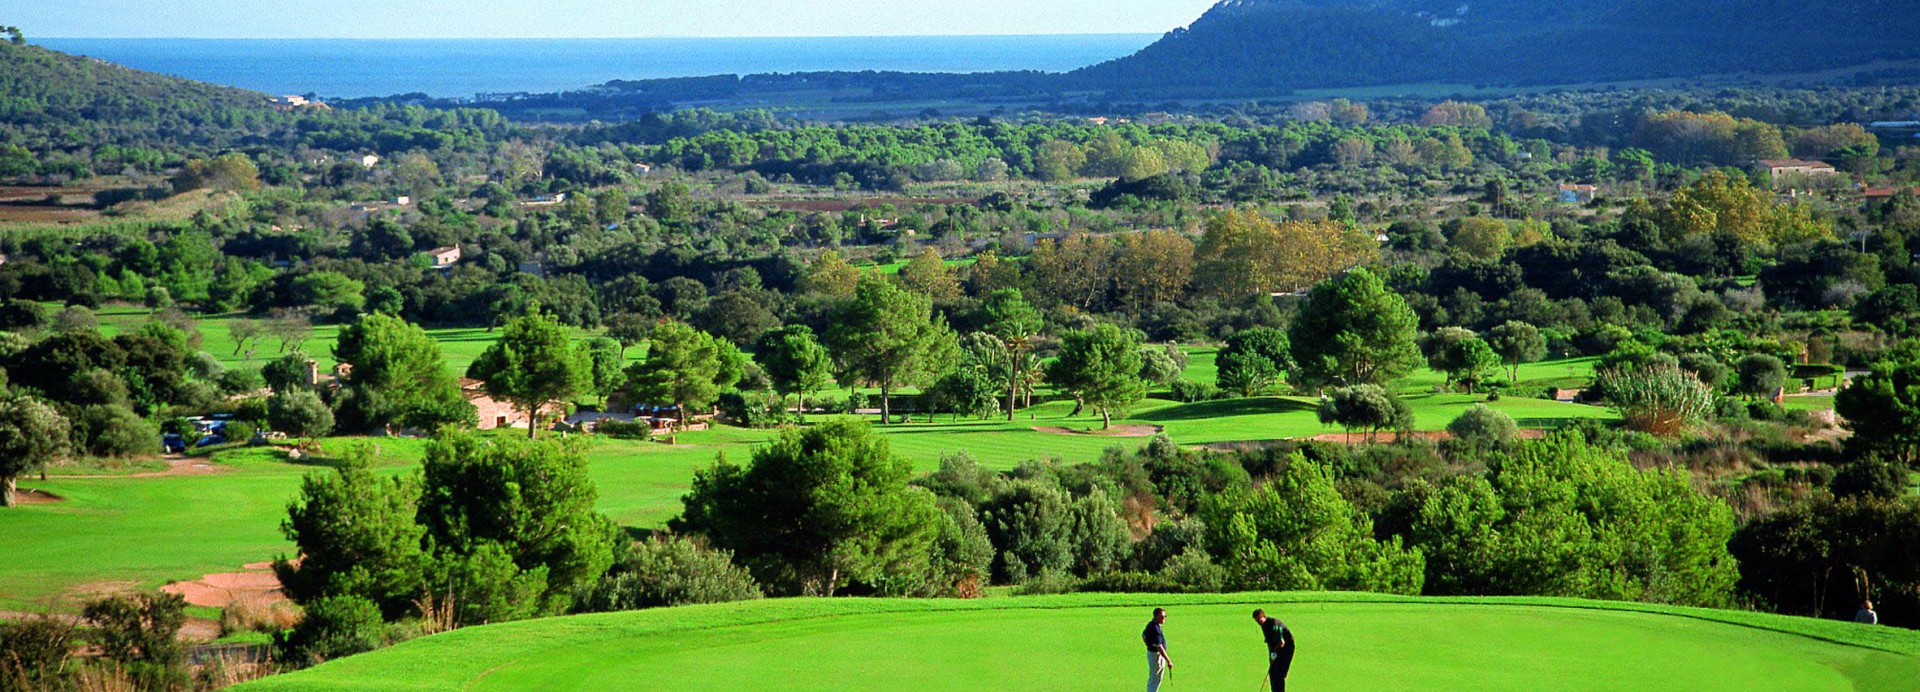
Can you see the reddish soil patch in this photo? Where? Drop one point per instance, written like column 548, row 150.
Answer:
column 1115, row 431
column 29, row 496
column 222, row 590
column 176, row 466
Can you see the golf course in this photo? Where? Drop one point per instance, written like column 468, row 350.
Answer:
column 1091, row 642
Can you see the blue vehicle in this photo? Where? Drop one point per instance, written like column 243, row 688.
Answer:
column 173, row 444
column 211, row 440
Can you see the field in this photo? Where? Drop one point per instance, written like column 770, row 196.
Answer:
column 1091, row 642
column 227, row 512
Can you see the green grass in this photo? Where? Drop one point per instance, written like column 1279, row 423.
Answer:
column 143, row 532
column 1091, row 642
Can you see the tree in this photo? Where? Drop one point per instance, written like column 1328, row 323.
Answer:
column 972, row 387
column 395, row 376
column 32, row 435
column 293, row 371
column 1254, row 360
column 355, row 534
column 1298, row 533
column 1008, row 316
column 244, row 332
column 519, row 512
column 830, row 276
column 1369, row 407
column 535, row 366
column 1101, row 367
column 1882, row 408
column 1243, row 253
column 890, row 337
column 669, row 571
column 1565, row 517
column 1353, row 330
column 299, row 413
column 1482, row 427
column 1517, row 342
column 815, row 510
column 1462, row 355
column 607, row 363
column 685, row 368
column 796, row 363
column 928, row 274
column 1759, row 374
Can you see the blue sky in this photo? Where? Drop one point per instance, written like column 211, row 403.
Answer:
column 588, row 18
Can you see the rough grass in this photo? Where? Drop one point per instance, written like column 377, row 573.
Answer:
column 1091, row 642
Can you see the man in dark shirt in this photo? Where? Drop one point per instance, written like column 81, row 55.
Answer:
column 1156, row 639
column 1279, row 649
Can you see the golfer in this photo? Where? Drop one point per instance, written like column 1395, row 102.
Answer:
column 1279, row 649
column 1156, row 639
column 1866, row 616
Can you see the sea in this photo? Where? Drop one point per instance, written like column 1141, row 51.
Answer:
column 353, row 68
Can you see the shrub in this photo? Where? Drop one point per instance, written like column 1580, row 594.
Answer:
column 239, row 381
column 1193, row 571
column 257, row 614
column 1658, row 399
column 34, row 652
column 140, row 628
column 1481, row 426
column 624, row 429
column 1048, row 582
column 1871, row 477
column 1129, row 582
column 1191, row 392
column 669, row 572
column 115, row 431
column 334, row 627
column 299, row 413
column 752, row 409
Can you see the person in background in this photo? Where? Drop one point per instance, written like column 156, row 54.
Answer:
column 1866, row 616
column 1158, row 663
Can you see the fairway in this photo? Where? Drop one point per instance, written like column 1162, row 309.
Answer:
column 1091, row 642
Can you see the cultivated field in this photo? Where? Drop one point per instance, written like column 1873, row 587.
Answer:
column 1091, row 642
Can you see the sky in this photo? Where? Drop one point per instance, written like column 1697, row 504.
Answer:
column 588, row 18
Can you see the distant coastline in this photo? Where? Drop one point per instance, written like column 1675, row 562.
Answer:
column 458, row 68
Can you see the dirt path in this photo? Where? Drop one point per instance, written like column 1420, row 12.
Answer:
column 1115, row 431
column 176, row 466
column 255, row 583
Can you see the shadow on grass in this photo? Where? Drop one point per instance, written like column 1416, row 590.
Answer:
column 1224, row 409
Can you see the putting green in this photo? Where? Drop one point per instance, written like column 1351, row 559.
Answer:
column 1091, row 642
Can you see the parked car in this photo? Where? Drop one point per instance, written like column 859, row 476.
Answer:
column 173, row 444
column 211, row 440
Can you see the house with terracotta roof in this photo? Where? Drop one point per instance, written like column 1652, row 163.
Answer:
column 1572, row 193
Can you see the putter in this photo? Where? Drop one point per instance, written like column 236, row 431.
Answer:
column 1266, row 682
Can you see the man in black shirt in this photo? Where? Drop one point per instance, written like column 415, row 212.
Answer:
column 1156, row 639
column 1279, row 649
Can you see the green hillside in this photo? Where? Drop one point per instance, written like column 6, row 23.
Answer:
column 1091, row 642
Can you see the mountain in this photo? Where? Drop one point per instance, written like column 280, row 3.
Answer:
column 1254, row 46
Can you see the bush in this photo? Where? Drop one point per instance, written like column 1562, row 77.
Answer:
column 1048, row 582
column 1129, row 582
column 239, row 431
column 752, row 409
column 239, row 381
column 669, row 572
column 1871, row 477
column 257, row 614
column 623, row 429
column 34, row 652
column 1191, row 392
column 1481, row 426
column 140, row 628
column 115, row 431
column 1193, row 571
column 334, row 627
column 1658, row 399
column 299, row 413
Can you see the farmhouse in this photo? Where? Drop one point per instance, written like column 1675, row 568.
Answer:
column 1571, row 193
column 445, row 257
column 370, row 160
column 494, row 413
column 1873, row 193
column 545, row 200
column 1787, row 167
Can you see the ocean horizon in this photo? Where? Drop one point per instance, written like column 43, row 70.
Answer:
column 353, row 68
